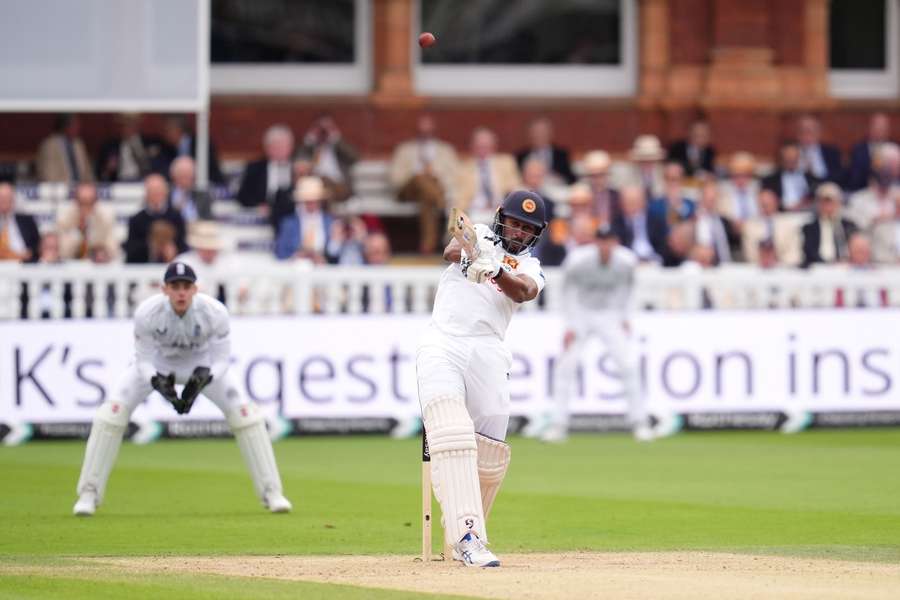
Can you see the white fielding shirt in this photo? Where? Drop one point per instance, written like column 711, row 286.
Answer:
column 201, row 336
column 590, row 287
column 464, row 308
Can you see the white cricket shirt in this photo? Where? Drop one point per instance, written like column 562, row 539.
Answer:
column 590, row 287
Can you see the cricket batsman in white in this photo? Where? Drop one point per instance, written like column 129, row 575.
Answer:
column 598, row 284
column 462, row 366
column 182, row 337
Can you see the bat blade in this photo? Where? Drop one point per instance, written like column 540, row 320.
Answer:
column 461, row 228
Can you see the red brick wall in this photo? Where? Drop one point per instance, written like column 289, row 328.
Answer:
column 690, row 31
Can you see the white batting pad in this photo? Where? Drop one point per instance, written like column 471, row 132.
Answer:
column 248, row 425
column 102, row 448
column 493, row 461
column 454, row 461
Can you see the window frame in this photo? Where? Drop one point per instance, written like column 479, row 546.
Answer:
column 300, row 79
column 520, row 80
column 873, row 83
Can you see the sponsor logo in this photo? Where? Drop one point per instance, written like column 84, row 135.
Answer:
column 470, row 523
column 528, row 205
column 512, row 262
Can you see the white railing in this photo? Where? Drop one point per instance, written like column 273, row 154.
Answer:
column 268, row 287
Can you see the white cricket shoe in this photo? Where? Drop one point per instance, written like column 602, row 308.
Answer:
column 643, row 433
column 277, row 503
column 538, row 423
column 86, row 505
column 472, row 552
column 667, row 424
column 797, row 421
column 557, row 433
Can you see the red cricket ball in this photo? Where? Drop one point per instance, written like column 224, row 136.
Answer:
column 426, row 39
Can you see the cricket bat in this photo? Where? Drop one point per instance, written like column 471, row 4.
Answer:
column 460, row 227
column 426, row 500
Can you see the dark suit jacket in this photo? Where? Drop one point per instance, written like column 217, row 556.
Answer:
column 657, row 230
column 167, row 154
column 31, row 237
column 109, row 155
column 833, row 164
column 812, row 237
column 678, row 152
column 254, row 183
column 773, row 182
column 202, row 201
column 860, row 167
column 560, row 163
column 136, row 247
column 283, row 205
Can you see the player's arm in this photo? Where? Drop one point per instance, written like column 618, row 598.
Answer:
column 517, row 287
column 453, row 251
column 144, row 348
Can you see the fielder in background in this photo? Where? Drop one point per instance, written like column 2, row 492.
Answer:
column 598, row 281
column 462, row 365
column 180, row 337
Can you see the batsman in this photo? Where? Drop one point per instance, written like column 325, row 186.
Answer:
column 182, row 337
column 462, row 365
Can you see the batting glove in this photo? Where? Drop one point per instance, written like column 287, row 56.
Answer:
column 484, row 268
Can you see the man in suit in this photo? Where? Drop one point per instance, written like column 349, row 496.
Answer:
column 674, row 206
column 157, row 221
column 825, row 238
column 307, row 233
column 862, row 153
column 639, row 229
column 644, row 167
column 738, row 193
column 713, row 230
column 87, row 229
column 781, row 230
column 193, row 204
column 130, row 155
column 604, row 202
column 263, row 178
column 179, row 141
column 19, row 237
column 695, row 154
column 541, row 147
column 332, row 157
column 486, row 177
column 822, row 161
column 793, row 186
column 62, row 157
column 422, row 171
column 876, row 203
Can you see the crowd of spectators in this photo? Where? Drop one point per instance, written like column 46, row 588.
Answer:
column 671, row 205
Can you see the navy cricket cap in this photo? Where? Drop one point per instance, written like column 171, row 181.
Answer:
column 179, row 271
column 605, row 232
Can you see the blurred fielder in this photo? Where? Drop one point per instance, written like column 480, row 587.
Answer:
column 462, row 366
column 598, row 280
column 180, row 337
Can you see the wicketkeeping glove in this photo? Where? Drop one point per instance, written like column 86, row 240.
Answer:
column 198, row 380
column 165, row 385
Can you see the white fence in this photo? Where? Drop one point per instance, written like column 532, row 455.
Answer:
column 266, row 287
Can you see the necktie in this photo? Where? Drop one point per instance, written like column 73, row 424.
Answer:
column 70, row 159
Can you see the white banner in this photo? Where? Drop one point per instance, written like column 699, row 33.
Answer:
column 364, row 366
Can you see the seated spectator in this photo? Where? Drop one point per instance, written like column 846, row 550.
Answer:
column 422, row 171
column 859, row 252
column 49, row 249
column 146, row 243
column 191, row 203
column 674, row 206
column 645, row 169
column 377, row 249
column 19, row 237
column 825, row 238
column 713, row 230
column 582, row 230
column 821, row 161
column 206, row 255
column 62, row 157
column 695, row 154
column 859, row 259
column 780, row 230
column 486, row 177
column 862, row 153
column 283, row 204
column 178, row 141
column 638, row 228
column 604, row 200
column 347, row 241
column 263, row 178
column 679, row 244
column 793, row 186
column 129, row 155
column 307, row 232
column 534, row 178
column 765, row 256
column 738, row 193
column 332, row 157
column 378, row 253
column 886, row 236
column 87, row 229
column 541, row 148
column 876, row 203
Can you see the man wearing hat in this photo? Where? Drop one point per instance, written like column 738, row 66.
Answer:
column 598, row 280
column 307, row 232
column 604, row 200
column 645, row 168
column 825, row 238
column 181, row 337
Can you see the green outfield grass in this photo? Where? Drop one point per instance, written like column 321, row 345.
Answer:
column 834, row 494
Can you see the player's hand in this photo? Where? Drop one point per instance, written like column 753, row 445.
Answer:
column 165, row 385
column 568, row 339
column 486, row 244
column 198, row 380
column 485, row 267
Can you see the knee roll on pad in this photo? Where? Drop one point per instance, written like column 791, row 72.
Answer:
column 493, row 461
column 448, row 425
column 113, row 413
column 244, row 416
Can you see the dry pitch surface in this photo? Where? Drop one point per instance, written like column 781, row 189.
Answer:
column 636, row 576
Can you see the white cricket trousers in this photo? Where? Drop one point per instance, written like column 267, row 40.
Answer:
column 475, row 368
column 617, row 342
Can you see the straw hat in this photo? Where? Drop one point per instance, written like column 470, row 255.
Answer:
column 647, row 148
column 596, row 161
column 204, row 235
column 309, row 189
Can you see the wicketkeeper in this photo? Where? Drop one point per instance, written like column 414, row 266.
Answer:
column 180, row 337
